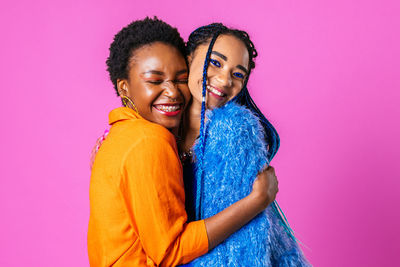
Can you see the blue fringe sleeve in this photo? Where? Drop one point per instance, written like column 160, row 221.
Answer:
column 235, row 151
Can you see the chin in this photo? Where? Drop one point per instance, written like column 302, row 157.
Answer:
column 213, row 104
column 170, row 125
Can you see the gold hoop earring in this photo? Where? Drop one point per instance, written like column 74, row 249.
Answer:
column 126, row 101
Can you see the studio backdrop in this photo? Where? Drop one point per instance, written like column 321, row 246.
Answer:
column 327, row 77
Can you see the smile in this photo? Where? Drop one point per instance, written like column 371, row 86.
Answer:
column 169, row 109
column 215, row 91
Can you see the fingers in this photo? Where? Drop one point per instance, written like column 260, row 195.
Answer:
column 96, row 148
column 271, row 169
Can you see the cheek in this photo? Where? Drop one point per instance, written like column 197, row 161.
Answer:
column 145, row 95
column 151, row 93
column 196, row 69
column 186, row 94
column 194, row 82
column 184, row 90
column 236, row 90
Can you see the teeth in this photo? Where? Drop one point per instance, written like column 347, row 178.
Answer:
column 215, row 91
column 168, row 108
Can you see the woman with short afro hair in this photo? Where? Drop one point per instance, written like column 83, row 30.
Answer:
column 137, row 198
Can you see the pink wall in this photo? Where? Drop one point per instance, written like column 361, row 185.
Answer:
column 327, row 76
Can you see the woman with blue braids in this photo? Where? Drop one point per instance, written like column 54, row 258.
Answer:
column 226, row 141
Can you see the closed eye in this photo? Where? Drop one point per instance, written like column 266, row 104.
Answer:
column 215, row 63
column 181, row 81
column 155, row 82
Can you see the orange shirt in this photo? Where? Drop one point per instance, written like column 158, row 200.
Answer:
column 137, row 199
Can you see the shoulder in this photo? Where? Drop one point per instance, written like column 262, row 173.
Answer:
column 140, row 132
column 233, row 117
column 136, row 137
column 148, row 142
column 129, row 127
column 231, row 109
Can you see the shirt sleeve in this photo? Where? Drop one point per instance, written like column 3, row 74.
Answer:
column 155, row 193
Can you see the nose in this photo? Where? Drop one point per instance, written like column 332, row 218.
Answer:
column 224, row 78
column 171, row 90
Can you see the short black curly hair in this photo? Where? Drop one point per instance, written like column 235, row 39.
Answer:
column 135, row 35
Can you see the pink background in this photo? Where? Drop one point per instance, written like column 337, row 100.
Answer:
column 327, row 76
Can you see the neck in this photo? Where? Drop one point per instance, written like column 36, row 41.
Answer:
column 191, row 124
column 174, row 131
column 194, row 116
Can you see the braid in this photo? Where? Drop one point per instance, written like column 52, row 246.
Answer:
column 273, row 142
column 271, row 135
column 203, row 134
column 201, row 36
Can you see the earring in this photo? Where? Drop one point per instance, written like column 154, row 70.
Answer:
column 126, row 101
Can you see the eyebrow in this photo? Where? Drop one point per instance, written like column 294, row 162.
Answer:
column 220, row 55
column 154, row 72
column 242, row 68
column 162, row 73
column 226, row 59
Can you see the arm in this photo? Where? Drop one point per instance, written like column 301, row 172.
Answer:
column 156, row 199
column 222, row 225
column 155, row 186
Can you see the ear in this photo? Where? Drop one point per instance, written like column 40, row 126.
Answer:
column 122, row 86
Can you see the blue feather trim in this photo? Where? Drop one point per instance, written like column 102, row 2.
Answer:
column 234, row 153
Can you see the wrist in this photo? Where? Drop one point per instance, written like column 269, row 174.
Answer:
column 260, row 201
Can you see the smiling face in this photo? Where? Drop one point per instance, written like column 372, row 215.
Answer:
column 227, row 71
column 157, row 84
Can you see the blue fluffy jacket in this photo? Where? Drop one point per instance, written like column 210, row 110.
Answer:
column 235, row 151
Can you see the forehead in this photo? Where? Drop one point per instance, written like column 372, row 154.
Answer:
column 159, row 56
column 225, row 41
column 231, row 47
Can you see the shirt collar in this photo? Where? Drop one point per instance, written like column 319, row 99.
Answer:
column 122, row 113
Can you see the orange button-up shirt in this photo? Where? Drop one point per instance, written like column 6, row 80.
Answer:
column 137, row 199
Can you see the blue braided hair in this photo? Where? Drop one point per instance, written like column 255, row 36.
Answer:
column 203, row 135
column 200, row 36
column 273, row 141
